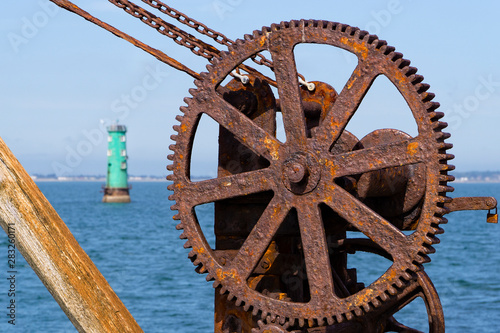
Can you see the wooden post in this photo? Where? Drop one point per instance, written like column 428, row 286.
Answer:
column 54, row 254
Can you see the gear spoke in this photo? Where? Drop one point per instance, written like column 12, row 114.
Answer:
column 260, row 237
column 211, row 190
column 312, row 234
column 378, row 229
column 289, row 93
column 303, row 174
column 346, row 104
column 395, row 154
column 249, row 133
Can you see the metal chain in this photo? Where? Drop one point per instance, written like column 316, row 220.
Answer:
column 202, row 29
column 179, row 36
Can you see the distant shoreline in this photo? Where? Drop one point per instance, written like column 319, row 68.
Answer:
column 163, row 179
column 96, row 180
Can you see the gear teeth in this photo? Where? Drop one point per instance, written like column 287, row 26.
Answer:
column 441, row 211
column 438, row 230
column 443, row 220
column 446, row 157
column 445, row 146
column 376, row 303
column 209, row 67
column 380, row 43
column 200, row 269
column 357, row 34
column 216, row 284
column 384, row 297
column 349, row 316
column 443, row 188
column 255, row 312
column 257, row 34
column 187, row 245
column 432, row 106
column 442, row 136
column 417, row 80
column 366, row 307
column 358, row 312
column 330, row 320
column 180, row 226
column 423, row 259
column 436, row 115
column 209, row 277
column 396, row 56
column 399, row 283
column 170, row 167
column 446, row 178
column 302, row 322
column 362, row 34
column 246, row 307
column 447, row 167
column 285, row 25
column 192, row 255
column 170, row 157
column 407, row 276
column 223, row 290
column 429, row 241
column 392, row 291
column 386, row 49
column 427, row 96
column 176, row 217
column 171, row 187
column 402, row 63
column 238, row 302
column 183, row 236
column 439, row 125
column 421, row 87
column 411, row 71
column 174, row 207
column 339, row 318
column 444, row 199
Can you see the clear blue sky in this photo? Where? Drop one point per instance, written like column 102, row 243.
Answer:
column 61, row 76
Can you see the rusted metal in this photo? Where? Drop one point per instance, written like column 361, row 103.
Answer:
column 302, row 198
column 283, row 210
column 68, row 5
column 471, row 203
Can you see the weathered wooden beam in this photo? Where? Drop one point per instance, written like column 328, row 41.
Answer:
column 54, row 254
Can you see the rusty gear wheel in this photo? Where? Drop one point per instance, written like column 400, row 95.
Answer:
column 302, row 173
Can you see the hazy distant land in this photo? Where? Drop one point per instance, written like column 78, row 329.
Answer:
column 460, row 177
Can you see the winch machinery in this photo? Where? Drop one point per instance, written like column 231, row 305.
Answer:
column 288, row 213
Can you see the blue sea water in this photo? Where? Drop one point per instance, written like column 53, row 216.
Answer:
column 136, row 247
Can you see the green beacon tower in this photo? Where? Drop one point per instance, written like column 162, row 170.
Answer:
column 117, row 189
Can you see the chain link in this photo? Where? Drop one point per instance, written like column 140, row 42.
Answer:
column 183, row 38
column 203, row 29
column 179, row 36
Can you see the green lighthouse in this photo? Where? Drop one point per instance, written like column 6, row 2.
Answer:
column 117, row 189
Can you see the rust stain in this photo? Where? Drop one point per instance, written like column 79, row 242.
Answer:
column 359, row 48
column 412, row 148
